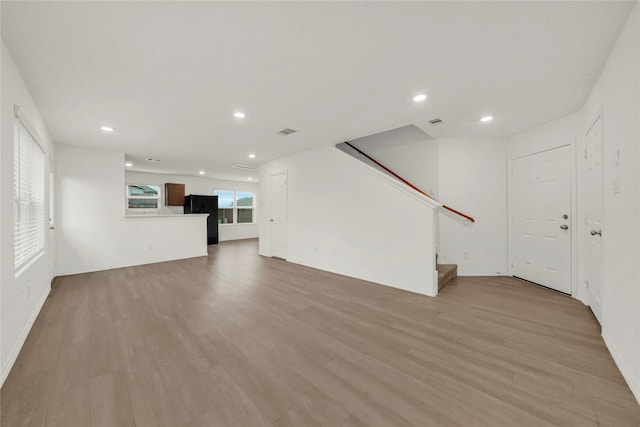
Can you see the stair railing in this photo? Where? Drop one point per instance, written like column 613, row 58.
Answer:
column 450, row 209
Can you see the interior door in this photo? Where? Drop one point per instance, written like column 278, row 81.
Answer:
column 593, row 217
column 541, row 218
column 278, row 219
column 52, row 220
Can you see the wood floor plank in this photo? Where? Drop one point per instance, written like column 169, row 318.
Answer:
column 235, row 339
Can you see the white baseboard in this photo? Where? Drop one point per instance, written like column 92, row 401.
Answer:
column 626, row 372
column 123, row 265
column 480, row 273
column 15, row 351
column 373, row 280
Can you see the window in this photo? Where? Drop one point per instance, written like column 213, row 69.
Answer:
column 244, row 202
column 235, row 207
column 225, row 206
column 28, row 197
column 143, row 196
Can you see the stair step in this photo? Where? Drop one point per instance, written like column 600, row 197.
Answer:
column 446, row 273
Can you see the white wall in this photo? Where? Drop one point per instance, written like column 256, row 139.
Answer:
column 93, row 233
column 204, row 186
column 617, row 95
column 347, row 218
column 417, row 162
column 473, row 180
column 470, row 176
column 20, row 297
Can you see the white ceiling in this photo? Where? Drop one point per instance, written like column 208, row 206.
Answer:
column 169, row 75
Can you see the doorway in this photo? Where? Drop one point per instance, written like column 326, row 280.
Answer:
column 541, row 218
column 278, row 219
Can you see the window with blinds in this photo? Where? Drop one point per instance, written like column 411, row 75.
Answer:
column 28, row 197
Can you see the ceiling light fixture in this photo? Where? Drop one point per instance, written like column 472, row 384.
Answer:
column 252, row 156
column 201, row 172
column 106, row 128
column 486, row 119
column 250, row 179
column 419, row 98
column 239, row 115
column 128, row 164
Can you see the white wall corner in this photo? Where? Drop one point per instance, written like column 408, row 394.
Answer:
column 434, row 285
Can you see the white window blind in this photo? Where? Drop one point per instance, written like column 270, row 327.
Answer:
column 28, row 196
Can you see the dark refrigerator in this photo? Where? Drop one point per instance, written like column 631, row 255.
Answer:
column 194, row 204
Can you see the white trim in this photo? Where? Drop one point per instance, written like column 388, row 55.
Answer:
column 125, row 265
column 15, row 351
column 394, row 182
column 434, row 290
column 626, row 372
column 483, row 273
column 374, row 281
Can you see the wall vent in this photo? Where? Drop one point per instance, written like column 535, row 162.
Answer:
column 287, row 131
column 435, row 121
column 244, row 167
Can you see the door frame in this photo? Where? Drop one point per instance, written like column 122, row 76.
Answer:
column 598, row 114
column 571, row 143
column 284, row 172
column 52, row 220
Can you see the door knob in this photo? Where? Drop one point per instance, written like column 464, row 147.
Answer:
column 564, row 227
column 594, row 232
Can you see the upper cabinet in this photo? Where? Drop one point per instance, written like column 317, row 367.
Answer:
column 174, row 194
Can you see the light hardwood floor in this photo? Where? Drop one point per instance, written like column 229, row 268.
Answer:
column 235, row 339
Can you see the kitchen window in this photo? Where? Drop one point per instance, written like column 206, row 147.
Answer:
column 235, row 207
column 143, row 196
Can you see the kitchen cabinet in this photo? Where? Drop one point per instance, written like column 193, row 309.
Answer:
column 173, row 194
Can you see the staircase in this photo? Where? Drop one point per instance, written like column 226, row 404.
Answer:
column 446, row 273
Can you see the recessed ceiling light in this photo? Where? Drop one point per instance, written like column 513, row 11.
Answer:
column 239, row 115
column 201, row 172
column 250, row 179
column 106, row 128
column 486, row 119
column 252, row 156
column 128, row 164
column 419, row 98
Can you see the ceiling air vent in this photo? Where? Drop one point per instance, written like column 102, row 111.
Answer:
column 244, row 167
column 435, row 121
column 287, row 131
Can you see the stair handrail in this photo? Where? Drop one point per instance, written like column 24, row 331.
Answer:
column 450, row 209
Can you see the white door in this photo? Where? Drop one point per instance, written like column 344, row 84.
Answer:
column 541, row 218
column 52, row 220
column 593, row 217
column 278, row 219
